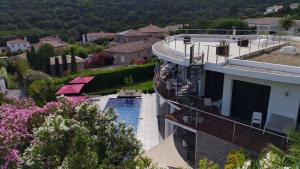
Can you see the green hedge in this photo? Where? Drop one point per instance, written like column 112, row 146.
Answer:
column 112, row 78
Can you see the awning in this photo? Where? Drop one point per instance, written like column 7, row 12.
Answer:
column 82, row 80
column 166, row 154
column 70, row 89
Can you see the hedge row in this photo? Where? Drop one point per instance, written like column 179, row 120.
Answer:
column 111, row 78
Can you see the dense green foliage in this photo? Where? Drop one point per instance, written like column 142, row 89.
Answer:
column 40, row 60
column 145, row 87
column 111, row 78
column 31, row 76
column 21, row 67
column 42, row 91
column 70, row 18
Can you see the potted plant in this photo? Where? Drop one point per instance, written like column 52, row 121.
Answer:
column 223, row 48
column 243, row 42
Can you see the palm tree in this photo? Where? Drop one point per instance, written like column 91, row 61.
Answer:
column 292, row 156
column 286, row 23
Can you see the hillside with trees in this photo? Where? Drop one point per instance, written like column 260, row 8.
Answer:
column 70, row 18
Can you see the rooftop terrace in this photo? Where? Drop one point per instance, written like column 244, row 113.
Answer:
column 276, row 57
column 204, row 47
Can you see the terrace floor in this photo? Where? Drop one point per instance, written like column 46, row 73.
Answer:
column 276, row 57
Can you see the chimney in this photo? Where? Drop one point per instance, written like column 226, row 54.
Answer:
column 233, row 32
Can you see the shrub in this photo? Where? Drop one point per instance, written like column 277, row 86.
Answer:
column 236, row 159
column 32, row 75
column 42, row 91
column 207, row 164
column 21, row 66
column 111, row 78
column 82, row 137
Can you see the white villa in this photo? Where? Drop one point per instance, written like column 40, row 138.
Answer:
column 220, row 92
column 17, row 44
column 273, row 9
column 271, row 24
column 294, row 5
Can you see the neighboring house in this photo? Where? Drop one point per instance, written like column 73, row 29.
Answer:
column 130, row 36
column 294, row 5
column 245, row 100
column 79, row 61
column 171, row 28
column 127, row 53
column 265, row 24
column 273, row 9
column 90, row 37
column 154, row 31
column 16, row 45
column 56, row 42
column 270, row 24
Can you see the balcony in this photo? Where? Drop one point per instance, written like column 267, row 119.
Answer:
column 195, row 115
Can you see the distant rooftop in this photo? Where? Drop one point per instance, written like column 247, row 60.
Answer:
column 133, row 46
column 102, row 34
column 152, row 29
column 263, row 21
column 17, row 40
column 132, row 33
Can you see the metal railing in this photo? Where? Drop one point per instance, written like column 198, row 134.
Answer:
column 198, row 116
column 262, row 42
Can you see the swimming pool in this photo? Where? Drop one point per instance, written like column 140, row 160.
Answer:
column 127, row 108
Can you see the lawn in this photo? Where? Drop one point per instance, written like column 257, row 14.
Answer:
column 145, row 87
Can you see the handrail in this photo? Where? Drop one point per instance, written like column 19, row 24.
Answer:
column 220, row 117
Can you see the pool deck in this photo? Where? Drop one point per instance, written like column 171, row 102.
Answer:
column 147, row 132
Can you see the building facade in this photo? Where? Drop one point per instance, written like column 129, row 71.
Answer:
column 210, row 88
column 16, row 45
column 273, row 9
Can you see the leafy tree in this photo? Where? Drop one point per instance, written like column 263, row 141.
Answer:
column 46, row 51
column 57, row 67
column 229, row 23
column 286, row 23
column 42, row 91
column 82, row 137
column 32, row 75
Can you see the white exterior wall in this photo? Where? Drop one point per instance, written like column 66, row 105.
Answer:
column 284, row 98
column 14, row 47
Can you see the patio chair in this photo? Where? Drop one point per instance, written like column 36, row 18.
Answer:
column 256, row 118
column 217, row 104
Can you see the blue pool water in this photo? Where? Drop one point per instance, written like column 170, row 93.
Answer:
column 127, row 108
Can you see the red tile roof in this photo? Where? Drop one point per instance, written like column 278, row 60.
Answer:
column 152, row 29
column 132, row 33
column 102, row 34
column 50, row 38
column 70, row 89
column 133, row 46
column 82, row 80
column 17, row 40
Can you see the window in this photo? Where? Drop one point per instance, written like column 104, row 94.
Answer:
column 122, row 59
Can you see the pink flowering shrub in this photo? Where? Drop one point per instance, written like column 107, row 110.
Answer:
column 15, row 133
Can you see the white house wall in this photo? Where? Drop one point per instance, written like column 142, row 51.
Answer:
column 284, row 98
